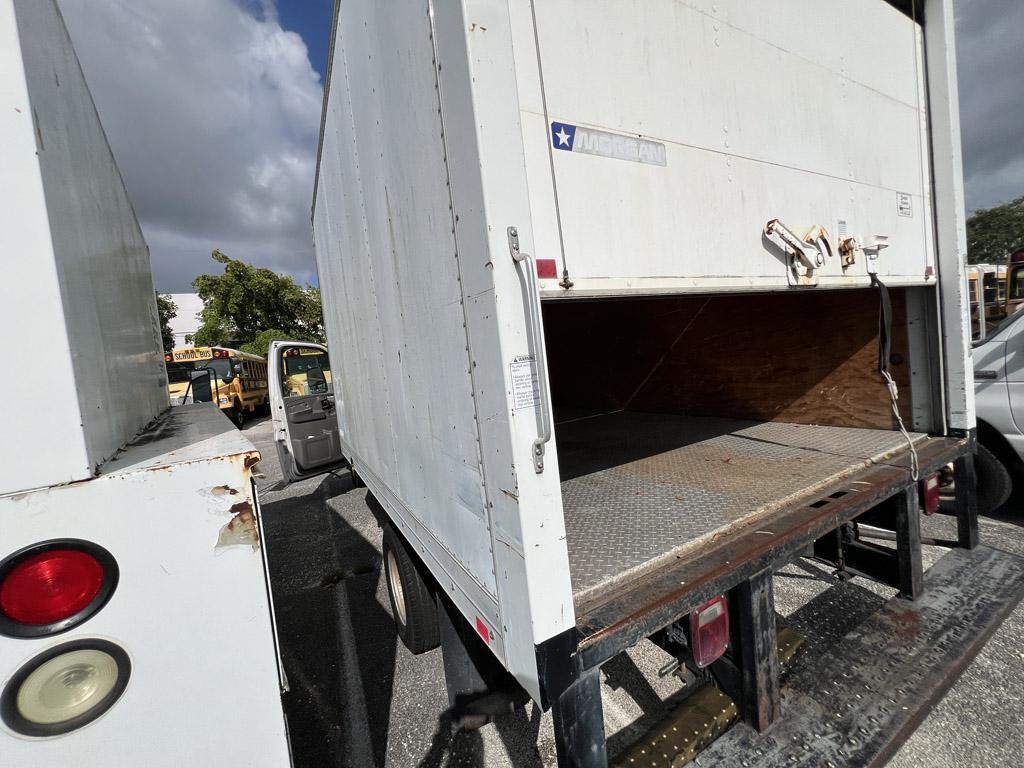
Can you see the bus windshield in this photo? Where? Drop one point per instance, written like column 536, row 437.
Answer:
column 179, row 373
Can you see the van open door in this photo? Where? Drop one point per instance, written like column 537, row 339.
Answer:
column 304, row 410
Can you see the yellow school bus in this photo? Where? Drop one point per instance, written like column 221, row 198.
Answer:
column 237, row 380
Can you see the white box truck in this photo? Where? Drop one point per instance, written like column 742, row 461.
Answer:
column 629, row 304
column 136, row 625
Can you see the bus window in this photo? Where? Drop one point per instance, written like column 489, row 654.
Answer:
column 1017, row 283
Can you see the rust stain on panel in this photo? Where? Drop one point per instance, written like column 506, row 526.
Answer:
column 241, row 529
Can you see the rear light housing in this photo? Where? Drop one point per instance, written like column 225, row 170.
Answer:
column 709, row 631
column 930, row 488
column 52, row 586
column 65, row 687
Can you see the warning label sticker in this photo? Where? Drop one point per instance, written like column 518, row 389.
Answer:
column 525, row 388
column 904, row 204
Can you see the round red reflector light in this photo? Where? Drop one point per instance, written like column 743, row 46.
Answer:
column 50, row 586
column 168, row 358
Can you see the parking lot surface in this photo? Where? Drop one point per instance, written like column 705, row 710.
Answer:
column 358, row 698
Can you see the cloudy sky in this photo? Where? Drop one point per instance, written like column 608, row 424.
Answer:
column 212, row 108
column 990, row 70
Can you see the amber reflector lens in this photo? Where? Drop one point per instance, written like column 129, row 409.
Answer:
column 67, row 686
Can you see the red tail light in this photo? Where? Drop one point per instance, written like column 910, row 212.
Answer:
column 168, row 359
column 53, row 586
column 930, row 494
column 50, row 586
column 709, row 631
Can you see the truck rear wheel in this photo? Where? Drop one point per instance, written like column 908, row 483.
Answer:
column 412, row 601
column 994, row 483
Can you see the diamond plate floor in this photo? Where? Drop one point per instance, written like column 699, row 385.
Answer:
column 639, row 489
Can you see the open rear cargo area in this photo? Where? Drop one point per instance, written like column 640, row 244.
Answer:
column 682, row 420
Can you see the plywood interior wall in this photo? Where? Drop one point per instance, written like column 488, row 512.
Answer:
column 808, row 357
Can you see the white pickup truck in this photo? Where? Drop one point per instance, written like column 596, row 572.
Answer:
column 999, row 399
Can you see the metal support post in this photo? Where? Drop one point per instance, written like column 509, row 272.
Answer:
column 966, row 502
column 908, row 544
column 579, row 724
column 752, row 615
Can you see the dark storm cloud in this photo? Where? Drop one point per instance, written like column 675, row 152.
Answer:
column 990, row 68
column 212, row 111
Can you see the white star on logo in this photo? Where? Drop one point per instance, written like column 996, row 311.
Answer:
column 563, row 137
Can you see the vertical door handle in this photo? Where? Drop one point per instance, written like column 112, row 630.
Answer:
column 536, row 342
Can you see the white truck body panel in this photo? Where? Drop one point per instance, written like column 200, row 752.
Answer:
column 751, row 112
column 177, row 510
column 94, row 455
column 437, row 139
column 85, row 370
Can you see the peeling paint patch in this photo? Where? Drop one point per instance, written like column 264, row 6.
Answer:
column 241, row 529
column 223, row 490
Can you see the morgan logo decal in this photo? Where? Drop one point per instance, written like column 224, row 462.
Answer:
column 618, row 146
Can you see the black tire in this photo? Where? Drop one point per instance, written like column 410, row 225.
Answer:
column 237, row 415
column 994, row 483
column 412, row 601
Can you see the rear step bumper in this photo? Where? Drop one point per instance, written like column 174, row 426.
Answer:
column 855, row 704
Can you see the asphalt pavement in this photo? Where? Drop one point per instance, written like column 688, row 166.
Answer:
column 358, row 698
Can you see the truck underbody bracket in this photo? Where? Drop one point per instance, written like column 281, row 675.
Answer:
column 752, row 625
column 901, row 567
column 966, row 501
column 579, row 724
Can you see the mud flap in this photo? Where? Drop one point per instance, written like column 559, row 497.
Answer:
column 855, row 704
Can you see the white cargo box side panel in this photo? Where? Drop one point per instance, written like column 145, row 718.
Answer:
column 745, row 112
column 190, row 606
column 386, row 256
column 105, row 298
column 47, row 444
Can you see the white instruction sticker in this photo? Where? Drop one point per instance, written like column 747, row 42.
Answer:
column 904, row 204
column 525, row 388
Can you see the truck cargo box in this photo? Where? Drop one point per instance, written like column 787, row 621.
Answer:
column 84, row 360
column 618, row 293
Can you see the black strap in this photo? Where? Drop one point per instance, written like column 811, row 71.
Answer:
column 884, row 324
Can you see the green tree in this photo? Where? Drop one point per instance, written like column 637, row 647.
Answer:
column 261, row 343
column 994, row 234
column 167, row 310
column 246, row 301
